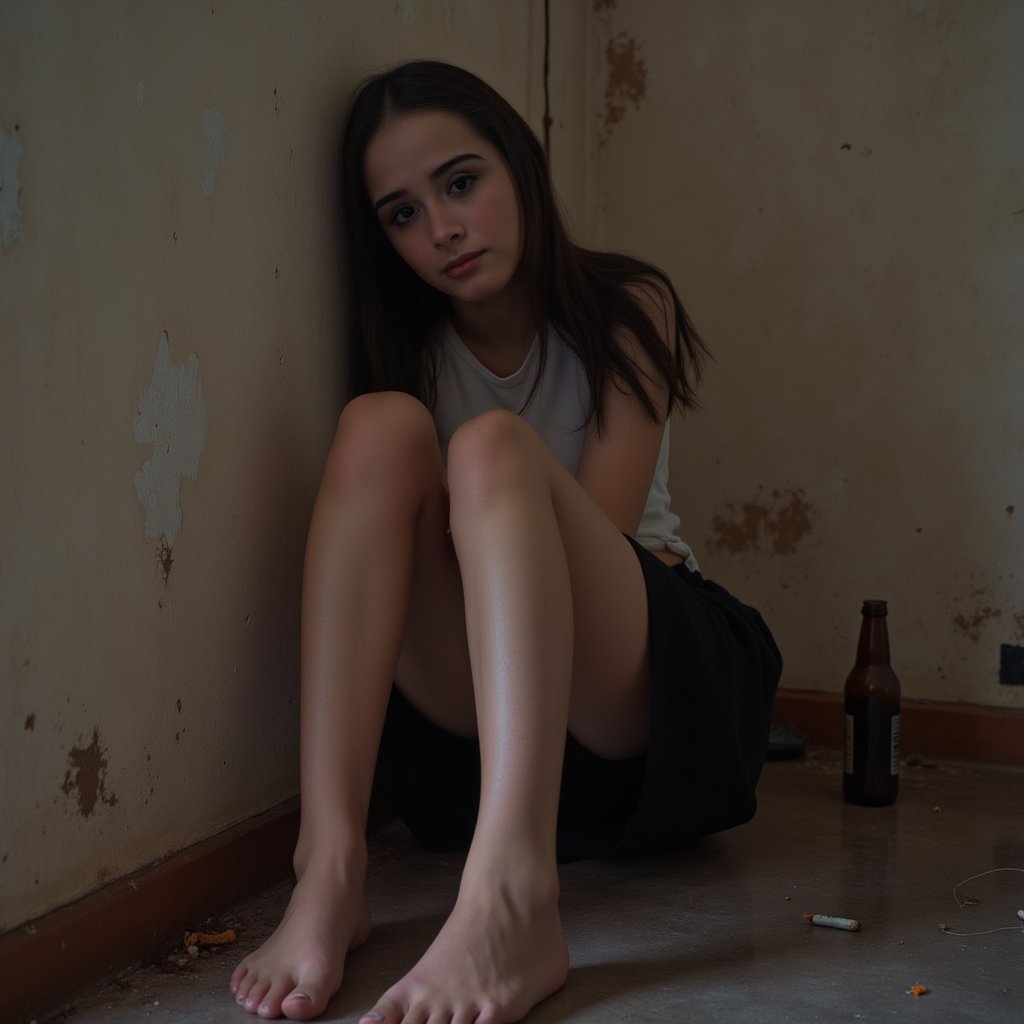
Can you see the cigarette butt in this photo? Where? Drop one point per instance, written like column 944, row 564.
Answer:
column 846, row 924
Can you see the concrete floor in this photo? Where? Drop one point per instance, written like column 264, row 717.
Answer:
column 716, row 933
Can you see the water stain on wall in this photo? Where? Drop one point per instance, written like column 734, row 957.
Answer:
column 86, row 777
column 12, row 217
column 782, row 520
column 627, row 80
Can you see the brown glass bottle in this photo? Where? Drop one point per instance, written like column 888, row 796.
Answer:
column 871, row 751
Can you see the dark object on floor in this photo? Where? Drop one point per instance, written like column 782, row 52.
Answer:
column 785, row 740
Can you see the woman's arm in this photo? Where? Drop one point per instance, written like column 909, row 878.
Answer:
column 617, row 464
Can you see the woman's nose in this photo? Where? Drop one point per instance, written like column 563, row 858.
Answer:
column 446, row 228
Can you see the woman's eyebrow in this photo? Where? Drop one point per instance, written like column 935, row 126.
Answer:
column 435, row 173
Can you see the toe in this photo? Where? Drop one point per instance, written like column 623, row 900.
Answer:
column 300, row 1004
column 385, row 1012
column 307, row 996
column 237, row 978
column 255, row 996
column 270, row 1005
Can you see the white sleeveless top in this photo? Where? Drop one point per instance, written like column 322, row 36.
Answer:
column 557, row 411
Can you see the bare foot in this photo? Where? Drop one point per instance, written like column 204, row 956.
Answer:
column 499, row 954
column 297, row 970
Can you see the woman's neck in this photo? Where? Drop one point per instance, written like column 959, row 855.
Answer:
column 498, row 331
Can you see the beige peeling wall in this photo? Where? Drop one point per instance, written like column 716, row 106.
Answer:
column 838, row 190
column 170, row 320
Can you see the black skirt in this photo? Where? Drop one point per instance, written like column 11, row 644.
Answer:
column 714, row 669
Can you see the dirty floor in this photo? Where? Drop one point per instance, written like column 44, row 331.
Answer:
column 717, row 933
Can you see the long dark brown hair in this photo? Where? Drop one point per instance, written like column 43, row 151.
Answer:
column 589, row 298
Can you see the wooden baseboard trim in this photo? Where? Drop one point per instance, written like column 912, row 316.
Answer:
column 956, row 732
column 47, row 961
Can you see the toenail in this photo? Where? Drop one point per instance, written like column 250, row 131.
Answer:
column 372, row 1015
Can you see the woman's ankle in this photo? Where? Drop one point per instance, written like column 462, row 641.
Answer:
column 528, row 878
column 344, row 861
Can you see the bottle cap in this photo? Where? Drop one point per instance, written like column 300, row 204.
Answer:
column 875, row 609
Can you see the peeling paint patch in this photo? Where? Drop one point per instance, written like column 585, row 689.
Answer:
column 627, row 79
column 12, row 217
column 408, row 14
column 213, row 129
column 783, row 522
column 140, row 93
column 86, row 777
column 172, row 418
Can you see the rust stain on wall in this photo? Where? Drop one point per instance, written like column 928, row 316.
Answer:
column 86, row 776
column 30, row 723
column 782, row 521
column 972, row 623
column 166, row 559
column 627, row 80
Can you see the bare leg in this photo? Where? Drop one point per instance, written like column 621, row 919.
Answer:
column 381, row 493
column 555, row 619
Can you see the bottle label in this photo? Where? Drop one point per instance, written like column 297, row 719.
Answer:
column 848, row 746
column 894, row 763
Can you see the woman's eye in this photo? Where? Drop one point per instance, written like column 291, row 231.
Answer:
column 402, row 215
column 461, row 183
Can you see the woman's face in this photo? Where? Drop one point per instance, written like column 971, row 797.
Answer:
column 446, row 202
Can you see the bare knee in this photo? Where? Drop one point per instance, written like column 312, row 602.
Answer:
column 382, row 435
column 492, row 454
column 379, row 411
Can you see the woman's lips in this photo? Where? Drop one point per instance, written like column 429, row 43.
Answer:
column 462, row 265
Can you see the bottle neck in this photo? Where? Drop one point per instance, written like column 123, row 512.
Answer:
column 873, row 645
